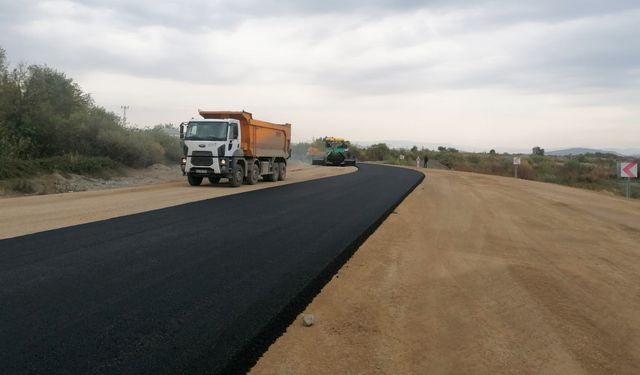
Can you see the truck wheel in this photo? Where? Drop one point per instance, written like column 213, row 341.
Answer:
column 214, row 180
column 273, row 177
column 194, row 180
column 253, row 175
column 237, row 175
column 283, row 171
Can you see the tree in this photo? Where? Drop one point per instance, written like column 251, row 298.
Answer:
column 3, row 61
column 4, row 107
column 12, row 143
column 378, row 151
column 50, row 100
column 538, row 151
column 414, row 149
column 492, row 152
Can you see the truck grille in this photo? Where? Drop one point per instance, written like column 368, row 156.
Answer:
column 202, row 158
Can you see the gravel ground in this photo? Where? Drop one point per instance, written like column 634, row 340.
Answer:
column 56, row 183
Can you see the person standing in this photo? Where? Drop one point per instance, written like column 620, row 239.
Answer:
column 426, row 161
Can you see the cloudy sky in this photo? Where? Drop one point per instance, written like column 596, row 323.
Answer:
column 481, row 74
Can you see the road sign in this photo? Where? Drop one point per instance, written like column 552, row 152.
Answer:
column 629, row 170
column 516, row 162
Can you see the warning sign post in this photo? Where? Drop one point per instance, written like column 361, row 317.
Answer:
column 517, row 160
column 628, row 170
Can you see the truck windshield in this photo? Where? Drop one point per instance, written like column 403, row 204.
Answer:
column 207, row 131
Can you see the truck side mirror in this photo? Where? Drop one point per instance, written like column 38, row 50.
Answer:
column 182, row 131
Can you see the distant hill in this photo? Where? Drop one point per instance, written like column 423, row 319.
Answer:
column 578, row 151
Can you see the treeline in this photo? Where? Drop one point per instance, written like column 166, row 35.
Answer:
column 591, row 171
column 46, row 117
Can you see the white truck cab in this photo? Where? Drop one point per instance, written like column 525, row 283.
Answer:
column 209, row 148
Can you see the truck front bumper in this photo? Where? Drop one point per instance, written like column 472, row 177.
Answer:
column 219, row 167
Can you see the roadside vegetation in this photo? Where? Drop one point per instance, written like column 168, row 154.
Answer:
column 48, row 124
column 589, row 171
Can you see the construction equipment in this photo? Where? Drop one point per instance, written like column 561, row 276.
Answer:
column 236, row 146
column 336, row 152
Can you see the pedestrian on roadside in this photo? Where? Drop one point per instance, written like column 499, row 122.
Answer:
column 426, row 161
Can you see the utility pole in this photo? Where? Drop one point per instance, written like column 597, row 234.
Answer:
column 124, row 114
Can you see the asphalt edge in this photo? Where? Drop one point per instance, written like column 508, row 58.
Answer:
column 243, row 361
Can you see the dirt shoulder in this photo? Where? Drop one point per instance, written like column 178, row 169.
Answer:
column 478, row 274
column 30, row 214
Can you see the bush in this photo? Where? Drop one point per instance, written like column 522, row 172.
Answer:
column 45, row 117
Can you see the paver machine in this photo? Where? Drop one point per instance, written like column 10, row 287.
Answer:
column 336, row 152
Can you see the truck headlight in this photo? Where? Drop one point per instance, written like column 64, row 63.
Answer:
column 223, row 162
column 183, row 161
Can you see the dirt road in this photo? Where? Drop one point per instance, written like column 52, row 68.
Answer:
column 31, row 214
column 479, row 274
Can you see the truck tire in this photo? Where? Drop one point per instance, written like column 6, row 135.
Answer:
column 237, row 174
column 273, row 177
column 214, row 180
column 283, row 171
column 253, row 175
column 194, row 180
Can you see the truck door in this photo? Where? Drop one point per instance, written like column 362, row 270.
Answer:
column 234, row 139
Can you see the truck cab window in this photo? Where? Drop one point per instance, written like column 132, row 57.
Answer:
column 234, row 131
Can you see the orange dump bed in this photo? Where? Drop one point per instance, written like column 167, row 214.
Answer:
column 259, row 138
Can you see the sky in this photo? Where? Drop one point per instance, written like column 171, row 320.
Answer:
column 496, row 74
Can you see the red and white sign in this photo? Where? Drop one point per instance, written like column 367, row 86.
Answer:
column 629, row 170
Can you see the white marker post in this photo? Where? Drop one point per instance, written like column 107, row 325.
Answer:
column 517, row 161
column 628, row 170
column 418, row 162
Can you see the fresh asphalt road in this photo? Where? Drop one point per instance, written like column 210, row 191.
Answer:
column 202, row 287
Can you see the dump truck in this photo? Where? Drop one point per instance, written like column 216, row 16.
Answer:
column 336, row 152
column 234, row 145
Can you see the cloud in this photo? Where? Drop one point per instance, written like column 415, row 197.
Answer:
column 356, row 54
column 350, row 46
